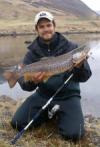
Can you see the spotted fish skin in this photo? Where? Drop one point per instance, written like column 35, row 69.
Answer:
column 49, row 65
column 57, row 64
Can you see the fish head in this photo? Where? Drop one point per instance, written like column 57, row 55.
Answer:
column 78, row 57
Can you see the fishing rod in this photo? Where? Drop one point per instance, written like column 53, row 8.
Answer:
column 19, row 134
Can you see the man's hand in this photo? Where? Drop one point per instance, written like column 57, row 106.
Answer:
column 78, row 65
column 76, row 59
column 38, row 77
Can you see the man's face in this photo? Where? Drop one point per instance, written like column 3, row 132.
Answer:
column 45, row 29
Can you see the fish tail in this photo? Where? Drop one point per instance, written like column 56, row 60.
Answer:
column 11, row 77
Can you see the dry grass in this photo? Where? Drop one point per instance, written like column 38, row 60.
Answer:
column 44, row 136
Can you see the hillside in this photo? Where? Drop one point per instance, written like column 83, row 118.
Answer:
column 18, row 16
column 98, row 12
column 74, row 7
column 25, row 9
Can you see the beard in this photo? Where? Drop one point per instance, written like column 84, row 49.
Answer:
column 47, row 36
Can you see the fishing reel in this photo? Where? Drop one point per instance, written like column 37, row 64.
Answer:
column 53, row 111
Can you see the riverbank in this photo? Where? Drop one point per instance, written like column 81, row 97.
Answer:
column 46, row 135
column 15, row 34
column 18, row 28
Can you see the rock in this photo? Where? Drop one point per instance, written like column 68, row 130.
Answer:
column 5, row 98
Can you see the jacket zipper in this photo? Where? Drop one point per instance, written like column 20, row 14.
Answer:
column 49, row 50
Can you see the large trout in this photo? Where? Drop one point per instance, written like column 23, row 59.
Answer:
column 49, row 65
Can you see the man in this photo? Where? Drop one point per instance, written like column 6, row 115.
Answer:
column 70, row 117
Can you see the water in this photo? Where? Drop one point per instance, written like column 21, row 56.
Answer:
column 12, row 51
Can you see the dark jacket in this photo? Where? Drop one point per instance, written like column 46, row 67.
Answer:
column 59, row 45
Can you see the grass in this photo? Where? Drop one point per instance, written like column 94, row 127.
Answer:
column 44, row 136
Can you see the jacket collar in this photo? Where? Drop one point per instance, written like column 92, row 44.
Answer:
column 58, row 45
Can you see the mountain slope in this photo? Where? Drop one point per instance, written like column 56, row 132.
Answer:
column 71, row 15
column 75, row 7
column 26, row 9
column 98, row 12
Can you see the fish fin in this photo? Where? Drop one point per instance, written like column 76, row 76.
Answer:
column 28, row 76
column 45, row 58
column 11, row 77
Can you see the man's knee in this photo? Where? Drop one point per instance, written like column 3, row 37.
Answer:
column 16, row 124
column 19, row 122
column 72, row 134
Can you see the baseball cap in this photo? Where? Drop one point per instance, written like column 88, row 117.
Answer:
column 43, row 14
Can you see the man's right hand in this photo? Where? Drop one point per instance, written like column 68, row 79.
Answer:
column 38, row 77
